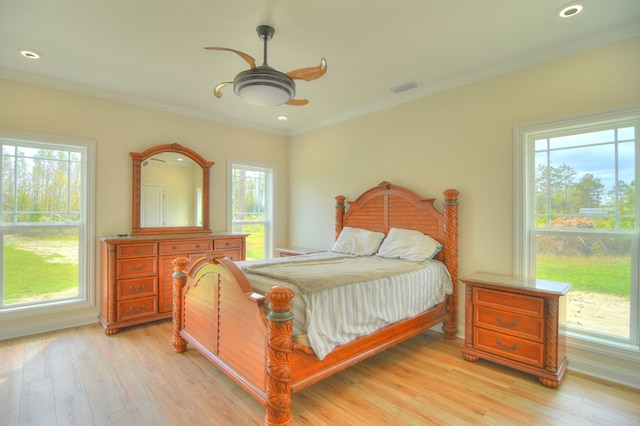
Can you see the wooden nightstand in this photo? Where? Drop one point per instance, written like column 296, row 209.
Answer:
column 296, row 251
column 514, row 321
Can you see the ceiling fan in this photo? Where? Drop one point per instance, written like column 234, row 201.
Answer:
column 263, row 85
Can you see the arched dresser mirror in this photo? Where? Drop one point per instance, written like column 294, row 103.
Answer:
column 170, row 193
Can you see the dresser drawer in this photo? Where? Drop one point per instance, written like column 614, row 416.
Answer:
column 137, row 250
column 514, row 348
column 129, row 268
column 136, row 308
column 137, row 287
column 234, row 255
column 185, row 247
column 225, row 244
column 509, row 323
column 503, row 301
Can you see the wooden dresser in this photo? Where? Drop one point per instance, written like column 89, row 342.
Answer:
column 135, row 273
column 514, row 321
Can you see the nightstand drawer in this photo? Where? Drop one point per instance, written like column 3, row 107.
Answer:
column 176, row 248
column 504, row 301
column 137, row 250
column 225, row 244
column 136, row 308
column 127, row 268
column 514, row 348
column 510, row 323
column 129, row 289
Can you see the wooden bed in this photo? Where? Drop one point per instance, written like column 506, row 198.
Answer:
column 217, row 311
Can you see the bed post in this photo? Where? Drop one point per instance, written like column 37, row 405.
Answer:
column 450, row 326
column 180, row 266
column 339, row 214
column 279, row 341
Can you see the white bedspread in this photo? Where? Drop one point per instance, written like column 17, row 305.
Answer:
column 335, row 316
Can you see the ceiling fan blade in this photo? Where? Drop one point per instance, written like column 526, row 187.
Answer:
column 310, row 73
column 243, row 55
column 217, row 91
column 298, row 102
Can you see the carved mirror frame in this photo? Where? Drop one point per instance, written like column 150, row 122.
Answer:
column 138, row 159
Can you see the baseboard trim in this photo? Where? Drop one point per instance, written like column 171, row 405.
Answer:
column 606, row 372
column 29, row 326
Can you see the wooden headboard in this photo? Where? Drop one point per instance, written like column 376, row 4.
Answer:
column 389, row 206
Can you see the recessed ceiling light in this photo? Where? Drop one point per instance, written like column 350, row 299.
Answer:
column 283, row 118
column 570, row 9
column 30, row 54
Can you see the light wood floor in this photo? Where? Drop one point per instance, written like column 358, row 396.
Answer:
column 80, row 376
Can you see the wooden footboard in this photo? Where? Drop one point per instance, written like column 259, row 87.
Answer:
column 250, row 340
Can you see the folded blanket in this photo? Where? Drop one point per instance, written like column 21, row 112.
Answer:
column 312, row 275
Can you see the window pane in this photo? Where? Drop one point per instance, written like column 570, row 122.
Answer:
column 40, row 264
column 627, row 133
column 42, row 214
column 255, row 240
column 249, row 207
column 599, row 269
column 582, row 139
column 585, row 181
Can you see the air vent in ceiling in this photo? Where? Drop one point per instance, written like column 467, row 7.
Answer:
column 404, row 87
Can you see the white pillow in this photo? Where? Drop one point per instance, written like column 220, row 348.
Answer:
column 358, row 241
column 409, row 245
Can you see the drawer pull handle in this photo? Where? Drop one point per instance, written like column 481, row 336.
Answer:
column 137, row 251
column 132, row 288
column 173, row 247
column 227, row 243
column 506, row 324
column 139, row 268
column 197, row 245
column 140, row 309
column 506, row 348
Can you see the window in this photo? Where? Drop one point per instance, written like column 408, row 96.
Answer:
column 250, row 207
column 47, row 240
column 578, row 219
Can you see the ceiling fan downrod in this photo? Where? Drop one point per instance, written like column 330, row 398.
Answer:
column 265, row 33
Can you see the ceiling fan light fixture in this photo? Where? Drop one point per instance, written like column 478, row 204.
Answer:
column 264, row 86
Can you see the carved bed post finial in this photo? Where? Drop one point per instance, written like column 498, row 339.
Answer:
column 340, row 199
column 180, row 266
column 280, row 319
column 450, row 326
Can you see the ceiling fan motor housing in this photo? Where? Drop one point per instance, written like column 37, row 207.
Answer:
column 264, row 86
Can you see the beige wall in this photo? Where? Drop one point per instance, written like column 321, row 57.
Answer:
column 462, row 139
column 119, row 129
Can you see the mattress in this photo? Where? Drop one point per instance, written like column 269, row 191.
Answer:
column 335, row 316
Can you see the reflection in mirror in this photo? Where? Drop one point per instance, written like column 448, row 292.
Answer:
column 170, row 191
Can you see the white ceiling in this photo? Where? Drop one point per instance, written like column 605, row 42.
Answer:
column 150, row 52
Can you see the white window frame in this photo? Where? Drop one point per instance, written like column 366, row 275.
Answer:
column 49, row 312
column 269, row 189
column 522, row 248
